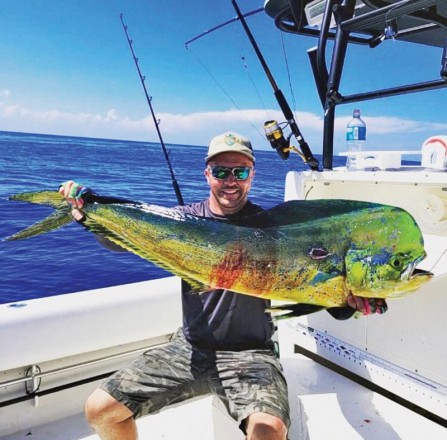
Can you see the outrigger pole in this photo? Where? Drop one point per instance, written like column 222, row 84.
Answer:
column 273, row 131
column 156, row 121
column 222, row 25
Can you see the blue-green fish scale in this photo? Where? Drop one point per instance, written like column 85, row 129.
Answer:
column 314, row 252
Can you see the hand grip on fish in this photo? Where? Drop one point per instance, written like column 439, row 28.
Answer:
column 76, row 195
column 314, row 252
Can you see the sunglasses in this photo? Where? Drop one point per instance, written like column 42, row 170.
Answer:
column 222, row 173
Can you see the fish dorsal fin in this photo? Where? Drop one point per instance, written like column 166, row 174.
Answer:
column 297, row 211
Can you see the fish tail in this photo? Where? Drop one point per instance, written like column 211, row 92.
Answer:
column 61, row 217
column 48, row 198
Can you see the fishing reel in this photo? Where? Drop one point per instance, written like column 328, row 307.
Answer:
column 275, row 136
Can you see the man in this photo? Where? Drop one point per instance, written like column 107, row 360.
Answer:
column 225, row 345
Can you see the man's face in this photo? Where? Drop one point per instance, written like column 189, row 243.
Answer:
column 230, row 195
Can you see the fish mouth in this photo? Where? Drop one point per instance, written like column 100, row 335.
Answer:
column 420, row 272
column 412, row 272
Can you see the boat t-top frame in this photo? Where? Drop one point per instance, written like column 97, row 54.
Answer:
column 367, row 22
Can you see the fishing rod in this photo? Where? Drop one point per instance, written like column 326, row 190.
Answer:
column 272, row 129
column 175, row 184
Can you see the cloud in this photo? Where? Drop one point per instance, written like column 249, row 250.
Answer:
column 17, row 118
column 5, row 93
column 198, row 128
column 391, row 133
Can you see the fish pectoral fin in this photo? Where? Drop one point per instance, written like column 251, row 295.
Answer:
column 196, row 287
column 286, row 311
column 191, row 286
column 54, row 221
column 341, row 313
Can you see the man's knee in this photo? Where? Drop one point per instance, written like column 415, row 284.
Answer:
column 265, row 426
column 101, row 408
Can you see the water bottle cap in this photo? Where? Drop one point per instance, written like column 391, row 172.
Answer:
column 356, row 113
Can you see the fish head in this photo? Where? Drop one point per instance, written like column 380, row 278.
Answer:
column 384, row 275
column 384, row 263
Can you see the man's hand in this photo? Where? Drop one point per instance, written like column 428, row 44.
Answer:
column 367, row 306
column 73, row 193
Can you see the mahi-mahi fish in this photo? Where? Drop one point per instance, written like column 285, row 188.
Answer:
column 314, row 252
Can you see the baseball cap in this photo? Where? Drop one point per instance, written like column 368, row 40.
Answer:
column 229, row 142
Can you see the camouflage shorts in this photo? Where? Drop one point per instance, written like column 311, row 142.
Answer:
column 246, row 381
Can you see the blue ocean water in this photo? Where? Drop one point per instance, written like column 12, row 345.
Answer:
column 69, row 259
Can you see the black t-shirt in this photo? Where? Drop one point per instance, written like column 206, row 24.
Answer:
column 221, row 319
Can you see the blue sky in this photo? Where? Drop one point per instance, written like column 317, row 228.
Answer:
column 67, row 69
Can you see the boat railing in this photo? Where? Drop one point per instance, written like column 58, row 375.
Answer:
column 420, row 21
column 34, row 375
column 61, row 354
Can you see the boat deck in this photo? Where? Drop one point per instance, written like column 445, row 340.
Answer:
column 323, row 405
column 195, row 420
column 326, row 405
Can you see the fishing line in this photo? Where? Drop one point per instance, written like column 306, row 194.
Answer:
column 248, row 72
column 207, row 32
column 175, row 185
column 219, row 85
column 299, row 21
column 252, row 81
column 272, row 129
column 289, row 78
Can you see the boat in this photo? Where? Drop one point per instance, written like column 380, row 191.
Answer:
column 377, row 377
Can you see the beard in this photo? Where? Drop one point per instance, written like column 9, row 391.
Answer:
column 231, row 197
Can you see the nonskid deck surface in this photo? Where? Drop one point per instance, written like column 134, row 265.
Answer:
column 323, row 405
column 326, row 405
column 199, row 419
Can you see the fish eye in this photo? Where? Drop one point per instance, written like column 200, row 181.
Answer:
column 319, row 253
column 396, row 262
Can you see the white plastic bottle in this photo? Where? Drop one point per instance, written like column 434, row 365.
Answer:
column 355, row 137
